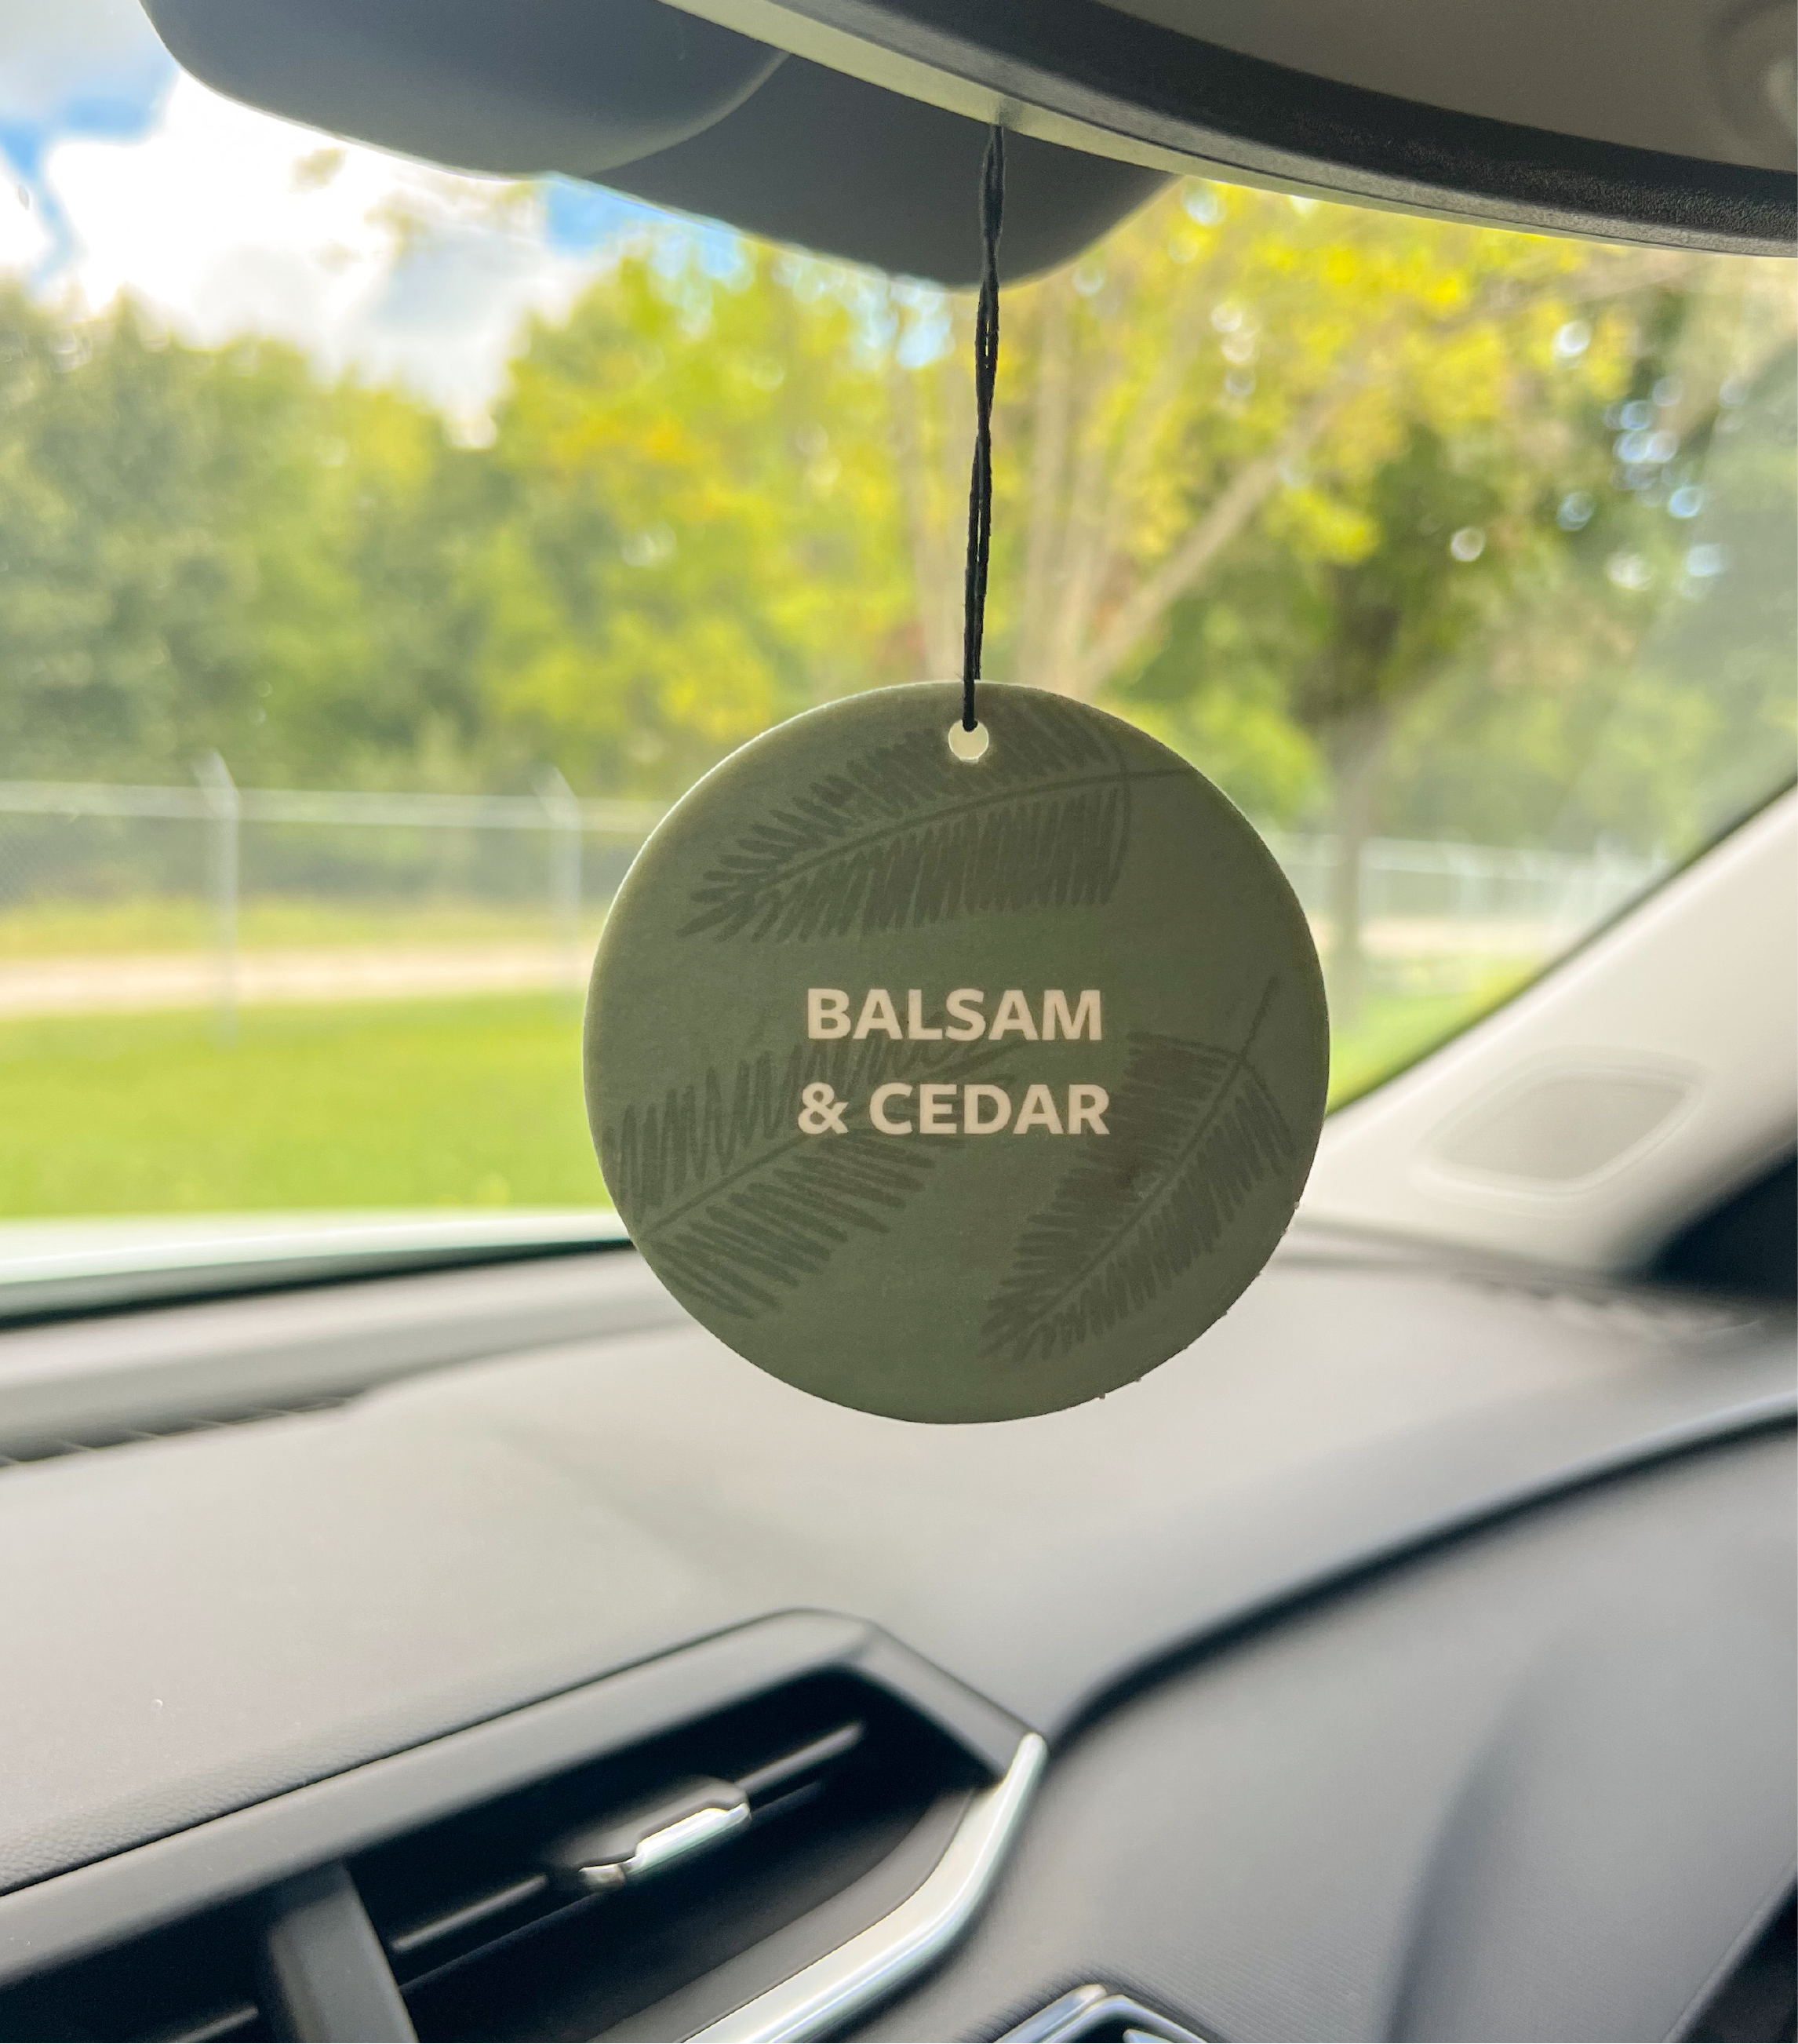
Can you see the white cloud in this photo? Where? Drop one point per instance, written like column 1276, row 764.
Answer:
column 225, row 221
column 51, row 54
column 25, row 241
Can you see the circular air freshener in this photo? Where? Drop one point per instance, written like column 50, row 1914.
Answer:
column 953, row 1088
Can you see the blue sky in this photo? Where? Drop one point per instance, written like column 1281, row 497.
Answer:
column 72, row 67
column 78, row 65
column 118, row 173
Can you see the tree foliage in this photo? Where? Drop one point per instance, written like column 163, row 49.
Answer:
column 1390, row 524
column 205, row 551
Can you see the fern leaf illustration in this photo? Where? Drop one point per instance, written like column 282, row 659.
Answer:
column 738, row 1206
column 1199, row 1132
column 901, row 837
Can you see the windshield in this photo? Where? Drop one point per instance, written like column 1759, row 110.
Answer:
column 382, row 550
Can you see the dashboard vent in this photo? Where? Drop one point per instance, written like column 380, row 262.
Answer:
column 614, row 1891
column 90, row 1440
column 763, row 1834
column 196, row 1979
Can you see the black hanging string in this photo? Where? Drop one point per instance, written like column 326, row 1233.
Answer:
column 986, row 374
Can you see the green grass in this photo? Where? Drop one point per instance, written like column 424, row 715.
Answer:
column 1396, row 1027
column 458, row 1103
column 471, row 1103
column 163, row 923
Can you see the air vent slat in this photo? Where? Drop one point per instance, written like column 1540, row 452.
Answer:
column 482, row 1910
column 239, row 2020
column 192, row 1981
column 783, row 1806
column 435, row 1979
column 691, row 1850
column 834, row 1745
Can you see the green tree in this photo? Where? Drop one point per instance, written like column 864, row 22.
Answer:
column 1347, row 505
column 696, row 522
column 205, row 550
column 1330, row 427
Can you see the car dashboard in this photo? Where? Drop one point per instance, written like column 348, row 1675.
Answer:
column 1411, row 1658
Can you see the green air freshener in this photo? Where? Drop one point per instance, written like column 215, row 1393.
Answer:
column 956, row 1089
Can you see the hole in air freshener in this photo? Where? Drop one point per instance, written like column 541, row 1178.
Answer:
column 949, row 1096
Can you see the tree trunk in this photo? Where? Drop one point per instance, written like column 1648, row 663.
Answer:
column 1185, row 566
column 1052, row 411
column 1356, row 750
column 935, row 559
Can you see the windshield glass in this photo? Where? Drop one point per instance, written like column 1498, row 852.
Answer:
column 382, row 550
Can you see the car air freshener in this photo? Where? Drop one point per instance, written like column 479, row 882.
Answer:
column 956, row 1089
column 956, row 1058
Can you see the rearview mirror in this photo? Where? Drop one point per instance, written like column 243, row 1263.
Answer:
column 855, row 126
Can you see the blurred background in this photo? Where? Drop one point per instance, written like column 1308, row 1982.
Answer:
column 382, row 550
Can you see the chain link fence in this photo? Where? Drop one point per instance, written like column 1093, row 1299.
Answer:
column 229, row 893
column 1422, row 894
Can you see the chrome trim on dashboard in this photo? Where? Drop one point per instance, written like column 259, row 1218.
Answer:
column 1087, row 2009
column 821, row 1997
column 687, row 1835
